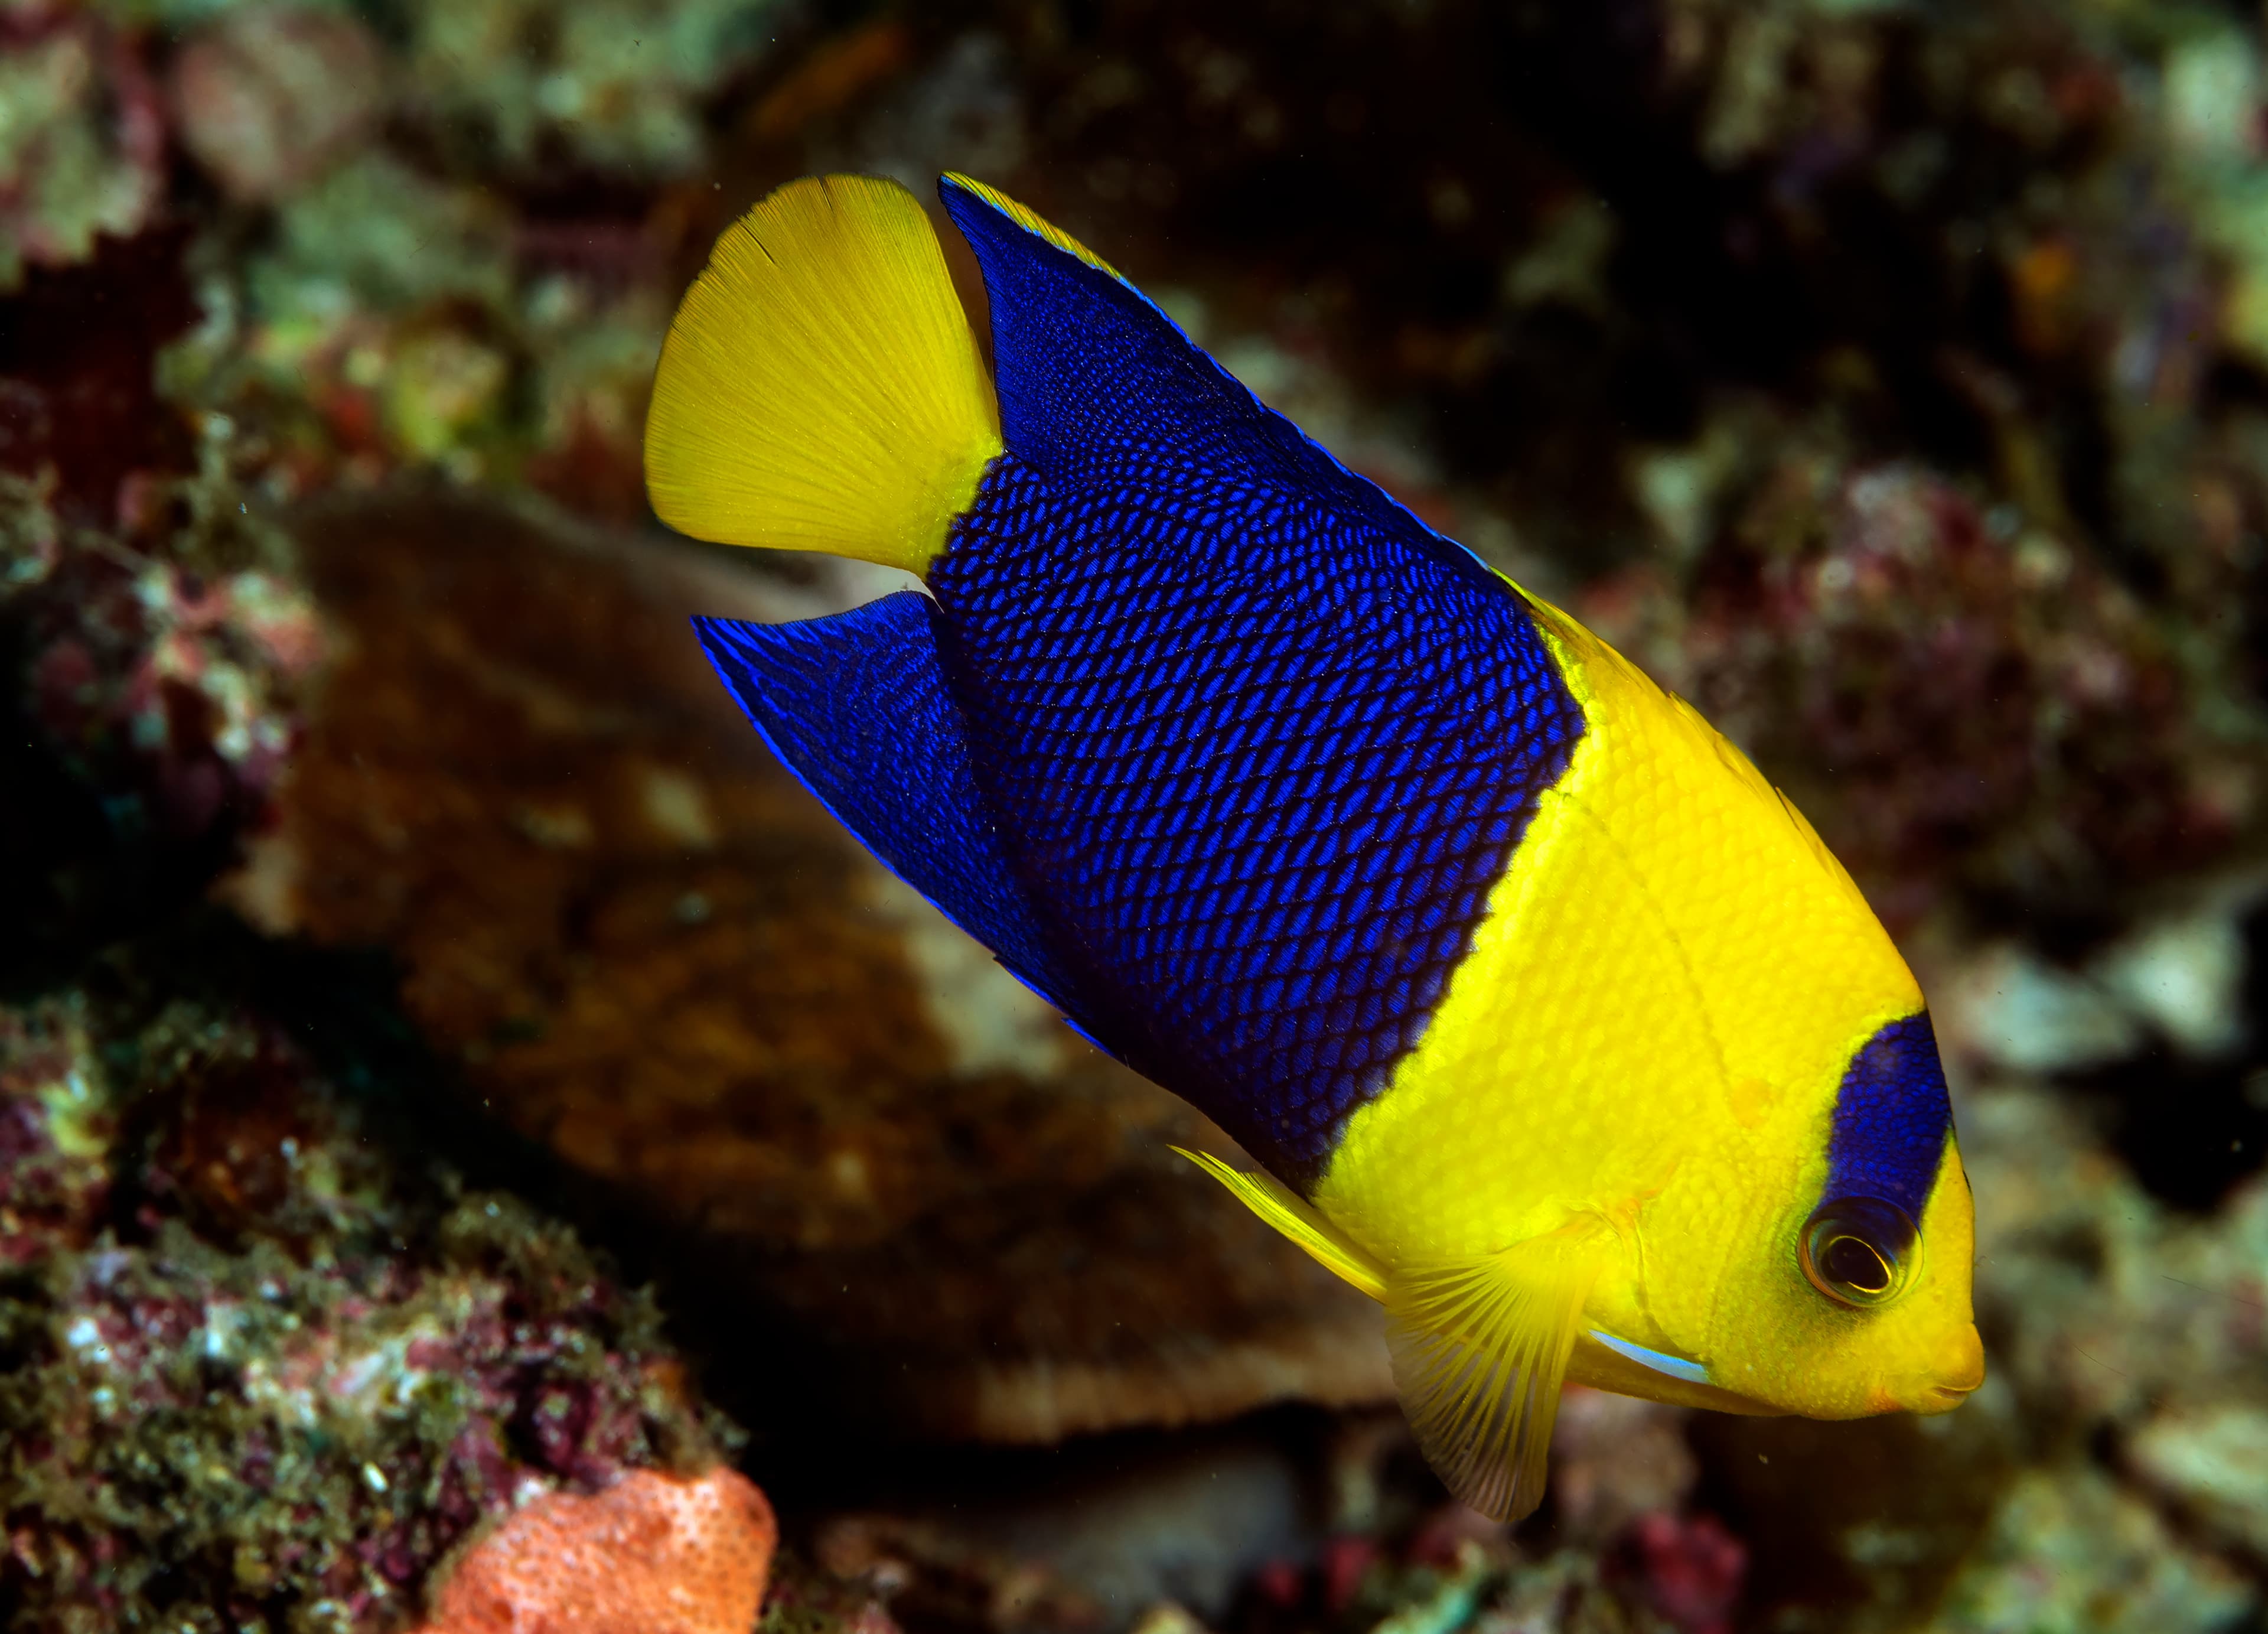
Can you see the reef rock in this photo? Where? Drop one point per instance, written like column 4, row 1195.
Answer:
column 646, row 946
column 268, row 96
column 83, row 151
column 2069, row 1549
column 2213, row 1463
column 256, row 1361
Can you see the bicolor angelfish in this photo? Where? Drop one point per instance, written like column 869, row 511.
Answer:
column 1551, row 1024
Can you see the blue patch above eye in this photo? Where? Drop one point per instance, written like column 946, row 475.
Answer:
column 1892, row 1115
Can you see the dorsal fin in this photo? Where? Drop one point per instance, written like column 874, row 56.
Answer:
column 1088, row 370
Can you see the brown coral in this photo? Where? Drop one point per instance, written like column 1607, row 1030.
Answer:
column 649, row 1555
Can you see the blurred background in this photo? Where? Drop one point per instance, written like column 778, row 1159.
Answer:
column 448, row 1073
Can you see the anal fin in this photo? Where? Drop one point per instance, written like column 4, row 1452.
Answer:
column 1480, row 1349
column 856, row 706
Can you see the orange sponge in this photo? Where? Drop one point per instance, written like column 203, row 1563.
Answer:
column 650, row 1554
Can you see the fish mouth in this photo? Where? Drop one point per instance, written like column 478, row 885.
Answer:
column 1966, row 1371
column 1957, row 1380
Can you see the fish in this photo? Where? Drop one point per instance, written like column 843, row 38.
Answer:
column 1548, row 1021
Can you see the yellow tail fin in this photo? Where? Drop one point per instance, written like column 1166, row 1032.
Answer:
column 821, row 388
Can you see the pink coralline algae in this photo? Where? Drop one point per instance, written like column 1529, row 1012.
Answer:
column 649, row 1554
column 86, row 151
column 268, row 96
column 1688, row 1569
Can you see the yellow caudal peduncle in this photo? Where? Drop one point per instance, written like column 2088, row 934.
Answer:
column 821, row 388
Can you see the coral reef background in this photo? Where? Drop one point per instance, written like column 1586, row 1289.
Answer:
column 465, row 1112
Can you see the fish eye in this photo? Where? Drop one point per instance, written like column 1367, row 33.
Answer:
column 1859, row 1251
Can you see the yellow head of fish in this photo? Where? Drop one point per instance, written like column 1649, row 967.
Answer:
column 1722, row 1173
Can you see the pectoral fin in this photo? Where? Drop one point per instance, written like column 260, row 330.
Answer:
column 1284, row 1209
column 1480, row 1349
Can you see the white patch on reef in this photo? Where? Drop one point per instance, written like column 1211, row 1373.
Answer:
column 2012, row 1009
column 2213, row 1461
column 2185, row 976
column 677, row 808
column 2177, row 976
column 2213, row 95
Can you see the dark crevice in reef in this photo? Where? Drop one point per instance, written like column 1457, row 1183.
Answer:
column 2191, row 1130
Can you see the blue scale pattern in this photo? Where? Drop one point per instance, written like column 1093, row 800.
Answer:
column 1892, row 1115
column 1258, row 741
